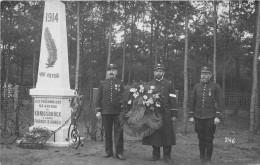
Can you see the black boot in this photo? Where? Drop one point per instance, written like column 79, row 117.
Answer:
column 209, row 151
column 167, row 154
column 156, row 154
column 202, row 146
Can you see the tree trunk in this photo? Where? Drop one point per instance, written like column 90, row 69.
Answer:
column 254, row 81
column 151, row 49
column 78, row 50
column 1, row 74
column 156, row 42
column 34, row 66
column 110, row 36
column 132, row 48
column 185, row 99
column 22, row 70
column 123, row 68
column 215, row 41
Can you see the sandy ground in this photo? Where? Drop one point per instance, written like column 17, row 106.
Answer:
column 184, row 153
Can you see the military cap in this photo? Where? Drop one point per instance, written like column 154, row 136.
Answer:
column 205, row 69
column 111, row 66
column 158, row 66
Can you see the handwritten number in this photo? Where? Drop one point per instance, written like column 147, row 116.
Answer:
column 230, row 140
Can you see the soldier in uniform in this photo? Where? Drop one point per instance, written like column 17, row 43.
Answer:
column 108, row 105
column 164, row 137
column 206, row 104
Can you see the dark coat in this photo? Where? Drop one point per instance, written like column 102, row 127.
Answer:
column 164, row 136
column 109, row 96
column 206, row 101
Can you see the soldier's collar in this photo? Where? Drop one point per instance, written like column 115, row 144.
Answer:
column 111, row 78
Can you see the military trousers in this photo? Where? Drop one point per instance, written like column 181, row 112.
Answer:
column 205, row 128
column 111, row 122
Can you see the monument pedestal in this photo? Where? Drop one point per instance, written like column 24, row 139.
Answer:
column 52, row 110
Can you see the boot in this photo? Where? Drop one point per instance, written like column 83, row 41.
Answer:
column 202, row 147
column 209, row 151
column 156, row 154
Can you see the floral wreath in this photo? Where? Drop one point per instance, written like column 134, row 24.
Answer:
column 142, row 110
column 37, row 135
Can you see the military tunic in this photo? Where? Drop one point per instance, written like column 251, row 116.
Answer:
column 109, row 96
column 164, row 136
column 203, row 99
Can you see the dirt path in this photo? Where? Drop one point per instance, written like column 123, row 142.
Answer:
column 184, row 153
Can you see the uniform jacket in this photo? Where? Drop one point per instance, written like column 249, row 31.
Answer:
column 108, row 100
column 164, row 136
column 203, row 101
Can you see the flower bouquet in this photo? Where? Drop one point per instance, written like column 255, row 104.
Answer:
column 142, row 109
column 35, row 138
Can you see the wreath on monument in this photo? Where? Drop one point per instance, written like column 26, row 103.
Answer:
column 142, row 110
column 35, row 138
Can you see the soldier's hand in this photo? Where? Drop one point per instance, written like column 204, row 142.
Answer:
column 216, row 120
column 98, row 115
column 191, row 119
column 173, row 118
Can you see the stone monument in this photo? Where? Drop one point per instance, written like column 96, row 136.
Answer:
column 52, row 92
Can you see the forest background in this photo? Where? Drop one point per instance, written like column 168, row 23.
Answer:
column 183, row 35
column 142, row 32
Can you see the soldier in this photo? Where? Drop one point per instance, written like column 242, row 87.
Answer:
column 109, row 106
column 204, row 98
column 164, row 137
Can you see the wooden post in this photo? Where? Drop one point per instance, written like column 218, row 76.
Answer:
column 16, row 108
column 177, row 97
column 93, row 116
column 174, row 124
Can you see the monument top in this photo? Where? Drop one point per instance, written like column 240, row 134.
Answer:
column 53, row 73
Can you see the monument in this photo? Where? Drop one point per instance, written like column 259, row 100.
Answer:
column 52, row 92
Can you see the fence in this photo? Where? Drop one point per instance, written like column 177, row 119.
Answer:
column 233, row 101
column 236, row 111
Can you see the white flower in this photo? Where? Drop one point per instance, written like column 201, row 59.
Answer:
column 133, row 90
column 156, row 96
column 136, row 95
column 141, row 90
column 141, row 87
column 150, row 91
column 145, row 97
column 150, row 100
column 152, row 87
column 157, row 104
column 129, row 102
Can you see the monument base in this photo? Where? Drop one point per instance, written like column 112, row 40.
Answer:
column 57, row 144
column 59, row 138
column 51, row 110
